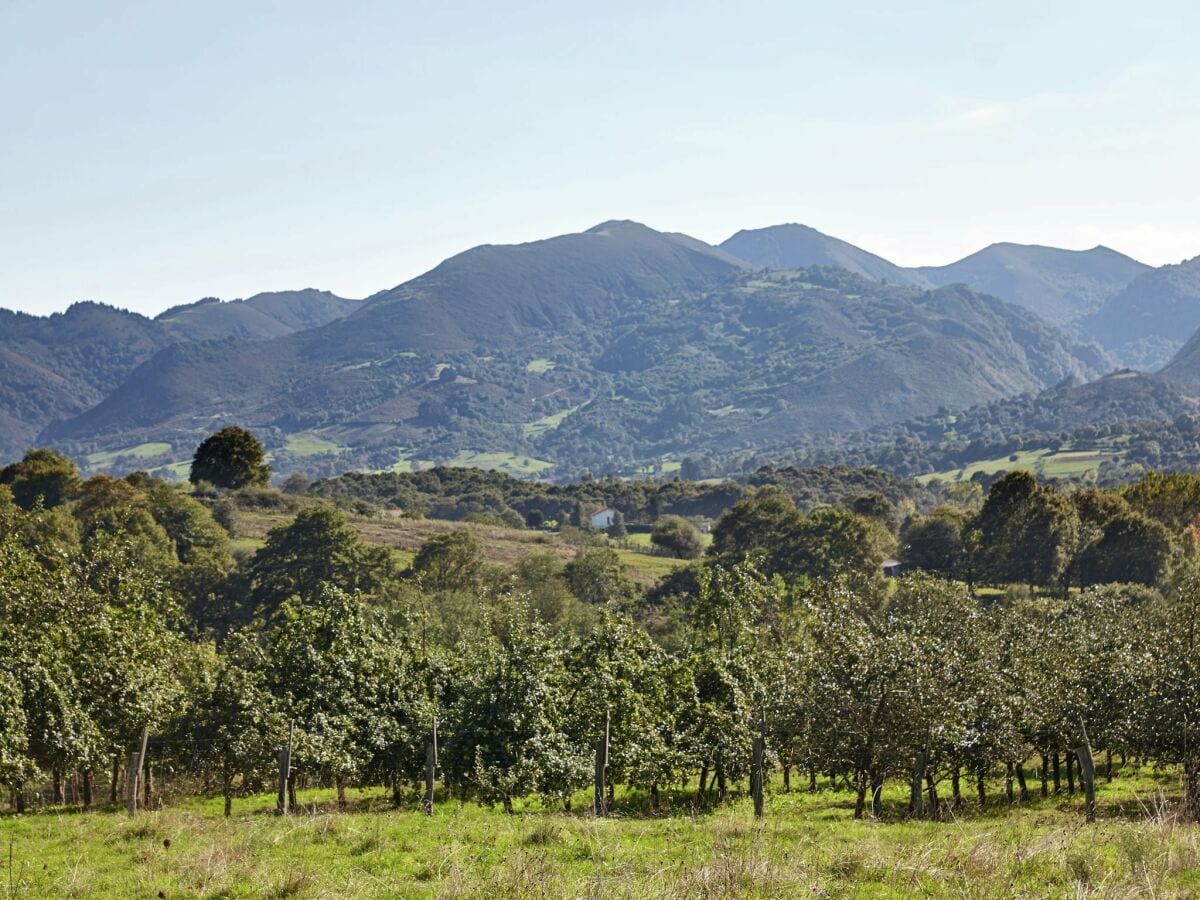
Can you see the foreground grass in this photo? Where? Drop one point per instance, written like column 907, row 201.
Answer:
column 808, row 846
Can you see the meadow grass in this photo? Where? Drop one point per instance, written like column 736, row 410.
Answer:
column 1044, row 462
column 310, row 444
column 106, row 458
column 809, row 845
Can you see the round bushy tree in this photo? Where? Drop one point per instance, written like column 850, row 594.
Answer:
column 231, row 458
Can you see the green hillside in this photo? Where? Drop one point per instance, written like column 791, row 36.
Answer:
column 661, row 347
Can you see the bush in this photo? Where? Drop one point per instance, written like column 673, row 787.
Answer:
column 677, row 537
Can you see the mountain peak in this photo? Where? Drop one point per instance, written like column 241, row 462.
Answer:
column 795, row 246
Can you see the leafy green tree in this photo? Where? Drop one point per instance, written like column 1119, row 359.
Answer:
column 450, row 561
column 320, row 665
column 231, row 458
column 617, row 529
column 753, row 523
column 677, row 537
column 230, row 725
column 934, row 543
column 595, row 576
column 43, row 476
column 617, row 670
column 1172, row 498
column 317, row 547
column 507, row 722
column 1132, row 548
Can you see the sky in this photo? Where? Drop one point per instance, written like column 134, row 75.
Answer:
column 154, row 153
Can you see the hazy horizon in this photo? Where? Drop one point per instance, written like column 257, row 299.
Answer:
column 159, row 155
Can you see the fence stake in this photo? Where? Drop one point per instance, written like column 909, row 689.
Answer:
column 135, row 768
column 1087, row 774
column 600, row 801
column 285, row 767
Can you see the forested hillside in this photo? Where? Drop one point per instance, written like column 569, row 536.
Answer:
column 607, row 350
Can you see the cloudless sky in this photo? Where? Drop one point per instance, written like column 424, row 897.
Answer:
column 152, row 153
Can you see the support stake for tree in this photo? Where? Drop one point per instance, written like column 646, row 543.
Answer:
column 757, row 773
column 430, row 769
column 1087, row 774
column 135, row 768
column 600, row 800
column 285, row 768
column 916, row 797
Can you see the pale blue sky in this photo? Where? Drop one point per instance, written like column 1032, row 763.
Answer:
column 156, row 152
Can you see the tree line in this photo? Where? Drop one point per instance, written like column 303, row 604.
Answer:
column 126, row 608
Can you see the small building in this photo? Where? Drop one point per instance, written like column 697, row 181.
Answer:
column 602, row 518
column 892, row 568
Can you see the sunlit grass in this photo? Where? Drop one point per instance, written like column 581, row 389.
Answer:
column 808, row 845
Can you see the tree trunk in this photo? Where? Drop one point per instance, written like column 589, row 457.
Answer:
column 935, row 804
column 1008, row 781
column 1087, row 778
column 291, row 790
column 876, row 795
column 397, row 795
column 1191, row 788
column 1057, row 774
column 916, row 806
column 1070, row 775
column 722, row 788
column 787, row 778
column 340, row 784
column 703, row 785
column 812, row 779
column 116, row 775
column 654, row 797
column 982, row 789
column 148, row 791
column 19, row 798
column 87, row 788
column 956, row 789
column 1045, row 775
column 860, row 785
column 60, row 796
column 227, row 792
column 508, row 807
column 1108, row 766
column 1024, row 788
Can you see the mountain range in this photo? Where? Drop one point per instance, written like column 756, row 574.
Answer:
column 611, row 350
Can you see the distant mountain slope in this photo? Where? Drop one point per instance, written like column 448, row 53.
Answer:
column 1105, row 415
column 497, row 295
column 1150, row 319
column 261, row 316
column 798, row 247
column 593, row 350
column 55, row 367
column 1059, row 285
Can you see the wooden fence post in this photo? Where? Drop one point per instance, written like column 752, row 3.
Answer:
column 600, row 801
column 285, row 768
column 131, row 783
column 1087, row 774
column 430, row 769
column 135, row 768
column 916, row 797
column 757, row 773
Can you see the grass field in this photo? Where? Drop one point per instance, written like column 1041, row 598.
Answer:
column 547, row 423
column 1044, row 462
column 310, row 444
column 808, row 846
column 539, row 366
column 106, row 458
column 501, row 546
column 512, row 463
